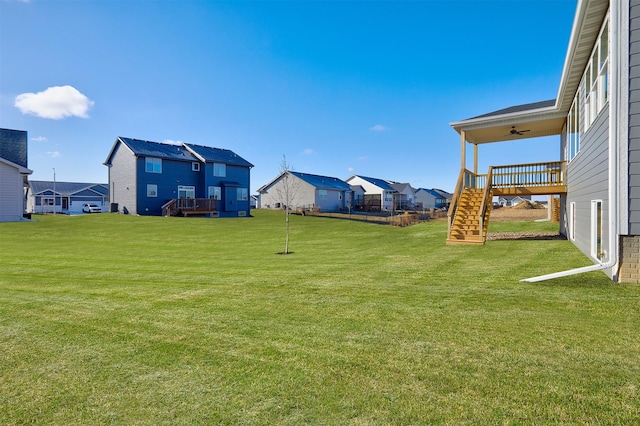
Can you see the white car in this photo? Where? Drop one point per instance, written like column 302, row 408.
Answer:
column 91, row 208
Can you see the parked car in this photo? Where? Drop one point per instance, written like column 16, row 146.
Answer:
column 91, row 208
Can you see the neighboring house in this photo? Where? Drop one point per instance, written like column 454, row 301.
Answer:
column 445, row 195
column 357, row 196
column 378, row 194
column 403, row 198
column 512, row 201
column 307, row 191
column 596, row 116
column 69, row 196
column 152, row 178
column 13, row 174
column 426, row 199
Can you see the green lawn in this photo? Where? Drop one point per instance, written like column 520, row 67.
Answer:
column 113, row 319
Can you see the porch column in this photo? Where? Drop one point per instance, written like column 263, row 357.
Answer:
column 463, row 147
column 475, row 158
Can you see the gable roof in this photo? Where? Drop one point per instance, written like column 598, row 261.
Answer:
column 21, row 170
column 216, row 155
column 184, row 152
column 323, row 182
column 444, row 194
column 382, row 184
column 317, row 181
column 13, row 146
column 142, row 148
column 400, row 187
column 431, row 192
column 69, row 188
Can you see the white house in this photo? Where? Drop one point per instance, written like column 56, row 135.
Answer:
column 378, row 193
column 13, row 174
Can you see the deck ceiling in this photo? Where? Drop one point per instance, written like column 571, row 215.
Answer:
column 502, row 130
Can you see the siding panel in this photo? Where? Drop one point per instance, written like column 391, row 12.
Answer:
column 634, row 119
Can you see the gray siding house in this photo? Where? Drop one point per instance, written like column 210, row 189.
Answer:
column 13, row 174
column 597, row 117
column 307, row 191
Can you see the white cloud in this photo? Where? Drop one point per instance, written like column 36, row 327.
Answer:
column 308, row 151
column 350, row 169
column 172, row 142
column 362, row 158
column 55, row 102
column 378, row 128
column 39, row 139
column 54, row 154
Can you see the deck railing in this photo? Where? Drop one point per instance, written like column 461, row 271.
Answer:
column 186, row 206
column 529, row 175
column 534, row 178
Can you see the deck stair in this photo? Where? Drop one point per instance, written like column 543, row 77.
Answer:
column 469, row 225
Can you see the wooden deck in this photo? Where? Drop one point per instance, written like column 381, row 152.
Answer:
column 189, row 206
column 469, row 215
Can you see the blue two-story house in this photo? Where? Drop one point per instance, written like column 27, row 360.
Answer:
column 152, row 178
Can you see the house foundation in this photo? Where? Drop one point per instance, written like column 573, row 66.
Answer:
column 629, row 271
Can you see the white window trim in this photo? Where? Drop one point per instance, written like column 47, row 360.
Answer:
column 154, row 161
column 195, row 167
column 242, row 194
column 596, row 79
column 152, row 187
column 596, row 252
column 572, row 221
column 185, row 188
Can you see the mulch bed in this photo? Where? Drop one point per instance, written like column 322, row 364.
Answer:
column 493, row 236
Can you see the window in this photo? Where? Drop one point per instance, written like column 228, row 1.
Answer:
column 572, row 221
column 215, row 192
column 242, row 194
column 596, row 229
column 388, row 196
column 322, row 194
column 153, row 165
column 47, row 201
column 186, row 192
column 152, row 190
column 596, row 77
column 592, row 94
column 195, row 167
column 219, row 169
column 573, row 132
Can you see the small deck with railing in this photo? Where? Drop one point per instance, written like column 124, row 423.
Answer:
column 189, row 206
column 470, row 207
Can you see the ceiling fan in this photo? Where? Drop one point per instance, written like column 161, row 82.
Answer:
column 514, row 132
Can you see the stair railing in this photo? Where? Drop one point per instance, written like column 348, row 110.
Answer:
column 451, row 213
column 486, row 199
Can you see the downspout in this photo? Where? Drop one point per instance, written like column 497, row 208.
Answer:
column 614, row 121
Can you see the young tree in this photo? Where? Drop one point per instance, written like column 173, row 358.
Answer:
column 287, row 192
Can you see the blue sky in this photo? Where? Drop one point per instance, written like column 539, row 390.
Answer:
column 338, row 87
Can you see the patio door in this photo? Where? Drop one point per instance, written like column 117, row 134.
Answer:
column 186, row 192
